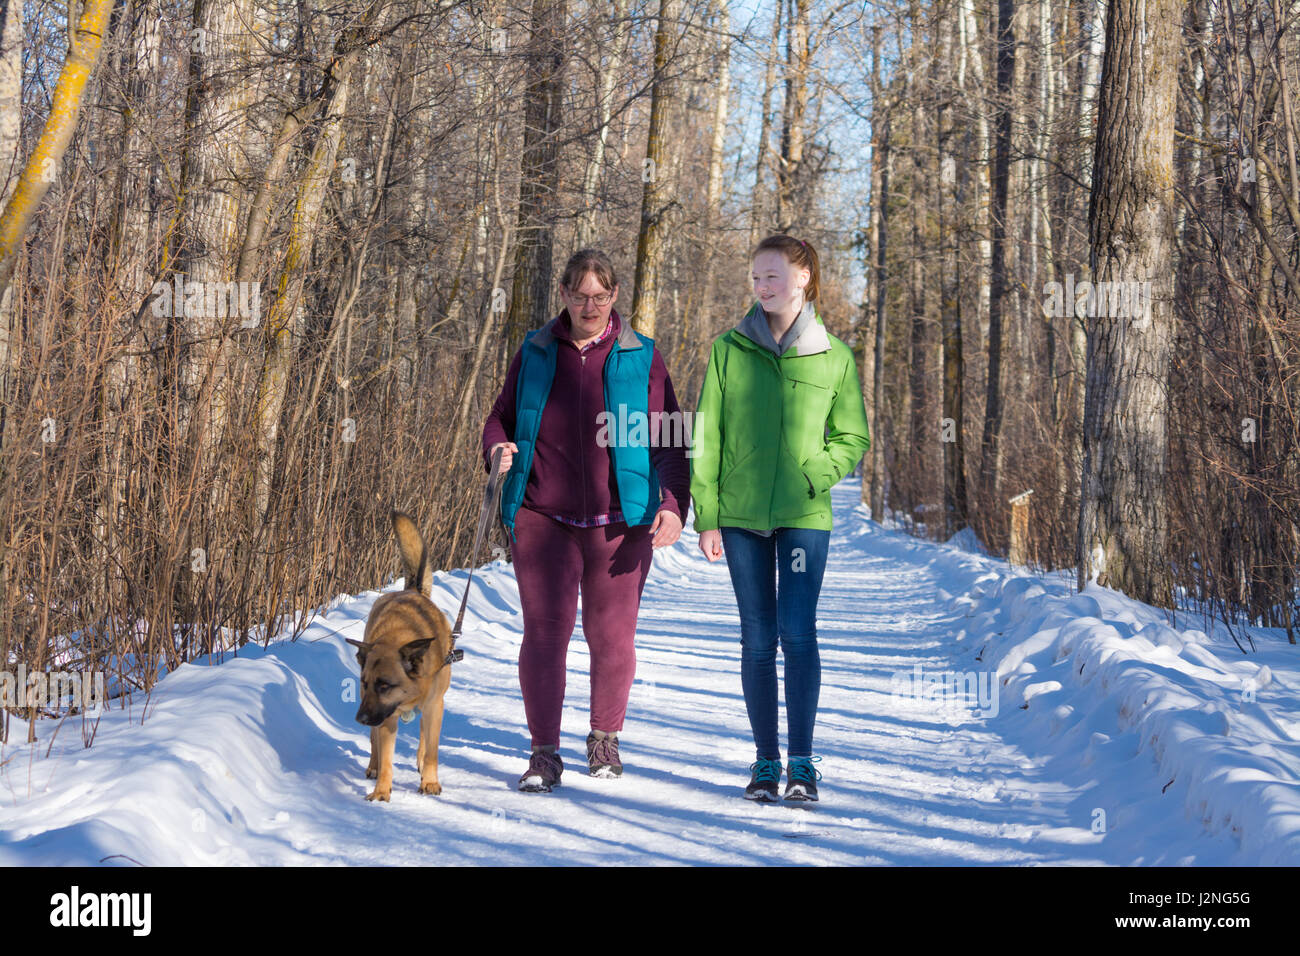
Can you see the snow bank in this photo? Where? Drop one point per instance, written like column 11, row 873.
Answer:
column 1096, row 678
column 1115, row 738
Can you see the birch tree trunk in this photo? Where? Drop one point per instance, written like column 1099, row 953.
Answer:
column 701, row 296
column 84, row 43
column 488, row 329
column 402, row 199
column 609, row 72
column 1059, row 365
column 880, row 237
column 213, row 169
column 127, row 255
column 284, row 324
column 759, row 221
column 954, row 470
column 11, row 124
column 11, row 128
column 970, row 80
column 1089, row 88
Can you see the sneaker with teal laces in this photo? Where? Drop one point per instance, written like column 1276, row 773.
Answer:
column 801, row 779
column 764, row 779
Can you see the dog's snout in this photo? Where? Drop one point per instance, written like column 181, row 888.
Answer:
column 372, row 718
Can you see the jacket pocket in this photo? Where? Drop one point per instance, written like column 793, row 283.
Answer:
column 795, row 464
column 731, row 469
column 812, row 491
column 819, row 473
column 801, row 378
column 808, row 405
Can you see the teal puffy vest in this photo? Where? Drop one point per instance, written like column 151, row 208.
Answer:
column 627, row 384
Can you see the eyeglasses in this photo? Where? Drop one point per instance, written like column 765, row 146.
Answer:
column 602, row 299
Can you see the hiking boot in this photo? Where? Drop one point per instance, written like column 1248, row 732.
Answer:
column 544, row 769
column 801, row 779
column 766, row 774
column 602, row 755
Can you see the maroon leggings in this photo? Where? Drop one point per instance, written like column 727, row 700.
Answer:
column 552, row 561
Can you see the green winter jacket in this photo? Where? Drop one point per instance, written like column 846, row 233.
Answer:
column 772, row 434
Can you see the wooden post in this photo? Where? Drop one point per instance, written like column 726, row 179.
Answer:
column 1019, row 528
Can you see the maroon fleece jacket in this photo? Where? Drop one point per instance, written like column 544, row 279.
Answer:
column 572, row 476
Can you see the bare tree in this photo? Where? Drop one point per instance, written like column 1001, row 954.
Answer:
column 530, row 297
column 991, row 447
column 284, row 325
column 610, row 67
column 11, row 124
column 759, row 215
column 84, row 43
column 879, row 241
column 1123, row 527
column 659, row 203
column 954, row 371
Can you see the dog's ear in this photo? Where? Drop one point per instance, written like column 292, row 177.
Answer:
column 413, row 653
column 362, row 649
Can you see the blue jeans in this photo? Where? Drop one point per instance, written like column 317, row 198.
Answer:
column 788, row 614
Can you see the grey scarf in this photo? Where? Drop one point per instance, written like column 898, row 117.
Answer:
column 754, row 326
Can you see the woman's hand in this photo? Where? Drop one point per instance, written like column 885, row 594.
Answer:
column 507, row 455
column 711, row 544
column 666, row 529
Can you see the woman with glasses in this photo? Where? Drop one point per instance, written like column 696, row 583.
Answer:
column 780, row 421
column 590, row 491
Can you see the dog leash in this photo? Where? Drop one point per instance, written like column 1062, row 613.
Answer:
column 490, row 498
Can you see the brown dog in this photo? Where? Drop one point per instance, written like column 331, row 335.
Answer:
column 402, row 669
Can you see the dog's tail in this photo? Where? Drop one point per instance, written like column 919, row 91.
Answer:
column 415, row 556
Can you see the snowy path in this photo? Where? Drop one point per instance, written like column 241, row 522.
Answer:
column 259, row 760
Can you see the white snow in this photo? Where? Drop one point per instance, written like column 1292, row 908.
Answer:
column 1096, row 734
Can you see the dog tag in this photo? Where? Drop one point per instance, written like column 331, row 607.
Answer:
column 408, row 716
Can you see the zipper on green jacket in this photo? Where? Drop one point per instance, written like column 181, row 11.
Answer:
column 779, row 429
